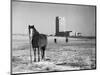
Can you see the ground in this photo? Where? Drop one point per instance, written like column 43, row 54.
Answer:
column 76, row 54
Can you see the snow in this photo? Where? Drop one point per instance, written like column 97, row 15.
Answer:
column 75, row 55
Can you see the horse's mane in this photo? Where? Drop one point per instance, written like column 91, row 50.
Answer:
column 35, row 31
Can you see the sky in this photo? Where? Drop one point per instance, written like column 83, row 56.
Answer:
column 76, row 18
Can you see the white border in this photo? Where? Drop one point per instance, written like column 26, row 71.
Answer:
column 5, row 37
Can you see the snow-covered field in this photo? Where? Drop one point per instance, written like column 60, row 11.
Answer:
column 77, row 54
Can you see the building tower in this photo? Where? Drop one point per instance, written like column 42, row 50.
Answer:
column 57, row 25
column 58, row 22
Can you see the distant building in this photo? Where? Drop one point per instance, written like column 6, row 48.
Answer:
column 60, row 33
column 79, row 34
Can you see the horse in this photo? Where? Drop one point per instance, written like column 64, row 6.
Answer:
column 39, row 43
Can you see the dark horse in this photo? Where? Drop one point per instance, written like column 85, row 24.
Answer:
column 39, row 43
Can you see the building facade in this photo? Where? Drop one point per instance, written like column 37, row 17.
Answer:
column 60, row 33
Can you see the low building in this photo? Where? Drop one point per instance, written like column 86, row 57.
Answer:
column 66, row 33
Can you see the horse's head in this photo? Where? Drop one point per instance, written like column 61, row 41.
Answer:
column 32, row 30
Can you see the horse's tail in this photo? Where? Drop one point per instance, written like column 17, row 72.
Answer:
column 43, row 51
column 43, row 48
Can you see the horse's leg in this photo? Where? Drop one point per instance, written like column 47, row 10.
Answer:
column 34, row 54
column 38, row 54
column 43, row 52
